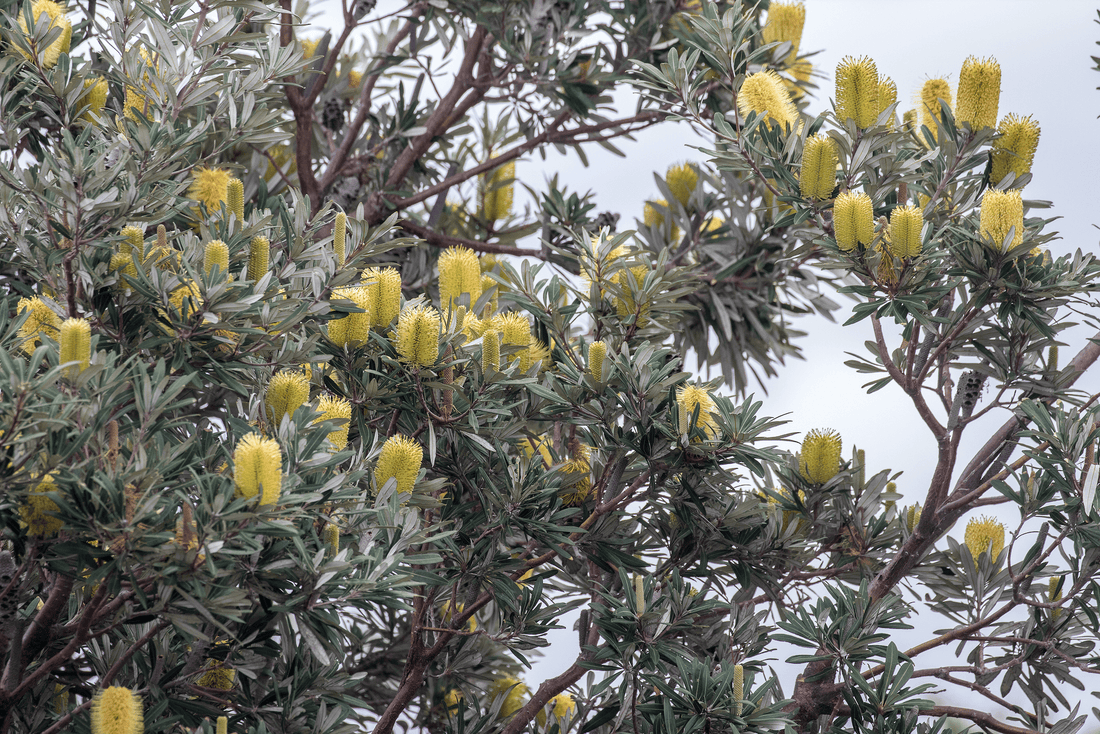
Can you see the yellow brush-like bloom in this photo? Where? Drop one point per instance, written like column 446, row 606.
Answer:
column 536, row 353
column 912, row 517
column 979, row 92
column 450, row 610
column 259, row 257
column 330, row 536
column 234, row 198
column 258, row 468
column 354, row 329
column 801, row 70
column 931, row 92
column 117, row 710
column 490, row 351
column 459, row 273
column 765, row 94
column 400, row 459
column 209, row 186
column 682, row 179
column 134, row 242
column 887, row 94
column 385, row 287
column 820, row 458
column 216, row 253
column 55, row 14
column 653, row 215
column 222, row 725
column 688, row 397
column 515, row 329
column 135, row 103
column 541, row 445
column 187, row 299
column 41, row 321
column 1001, row 211
column 38, row 511
column 488, row 284
column 309, row 47
column 76, row 342
column 984, row 534
column 853, row 220
column 906, row 223
column 497, row 188
column 738, row 688
column 452, row 699
column 513, row 691
column 561, row 706
column 577, row 480
column 217, row 675
column 818, row 174
column 332, row 408
column 285, row 393
column 340, row 239
column 785, row 23
column 597, row 352
column 1014, row 149
column 857, row 88
column 418, row 335
column 95, row 98
column 123, row 264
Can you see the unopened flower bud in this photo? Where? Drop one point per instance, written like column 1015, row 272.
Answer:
column 222, row 726
column 490, row 351
column 216, row 254
column 76, row 342
column 259, row 257
column 234, row 198
column 596, row 354
column 339, row 239
column 331, row 535
column 738, row 689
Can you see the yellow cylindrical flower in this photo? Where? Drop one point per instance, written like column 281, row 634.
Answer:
column 984, row 534
column 331, row 538
column 513, row 691
column 76, row 342
column 906, row 223
column 912, row 517
column 215, row 254
column 459, row 273
column 258, row 468
column 818, row 175
column 765, row 94
column 497, row 189
column 287, row 391
column 1014, row 148
column 117, row 710
column 853, row 220
column 820, row 458
column 1001, row 212
column 785, row 23
column 490, row 351
column 41, row 321
column 490, row 285
column 217, row 675
column 418, row 335
column 515, row 329
column 340, row 239
column 682, row 180
column 385, row 287
column 95, row 98
column 259, row 257
column 561, row 706
column 738, row 688
column 400, row 459
column 354, row 329
column 222, row 726
column 133, row 242
column 123, row 264
column 38, row 511
column 597, row 352
column 690, row 397
column 857, row 88
column 979, row 92
column 577, row 475
column 55, row 15
column 931, row 92
column 887, row 95
column 234, row 198
column 653, row 215
column 335, row 408
column 209, row 186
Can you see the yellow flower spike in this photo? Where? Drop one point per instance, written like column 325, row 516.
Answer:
column 490, row 351
column 418, row 335
column 488, row 284
column 41, row 321
column 123, row 264
column 561, row 706
column 818, row 174
column 216, row 253
column 597, row 352
column 209, row 186
column 536, row 353
column 513, row 690
column 331, row 538
column 217, row 675
column 385, row 287
column 682, row 180
column 857, row 87
column 979, row 92
column 738, row 689
column 451, row 700
column 653, row 215
column 234, row 198
column 332, row 408
column 515, row 329
column 309, row 47
column 76, row 342
column 135, row 103
column 765, row 94
column 688, row 397
column 497, row 190
column 459, row 273
column 577, row 482
column 1014, row 148
column 258, row 468
column 55, row 13
column 540, row 444
column 400, row 459
column 984, row 534
column 354, row 329
column 117, row 710
column 853, row 220
column 38, row 511
column 134, row 241
column 95, row 98
column 885, row 271
column 785, row 23
column 286, row 392
column 259, row 257
column 487, row 261
column 1001, row 211
column 639, row 594
column 820, row 458
column 909, row 119
column 187, row 299
column 931, row 92
column 1054, row 594
column 912, row 517
column 887, row 95
column 222, row 726
column 340, row 239
column 450, row 609
column 906, row 223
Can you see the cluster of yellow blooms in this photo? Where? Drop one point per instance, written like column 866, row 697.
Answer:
column 984, row 534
